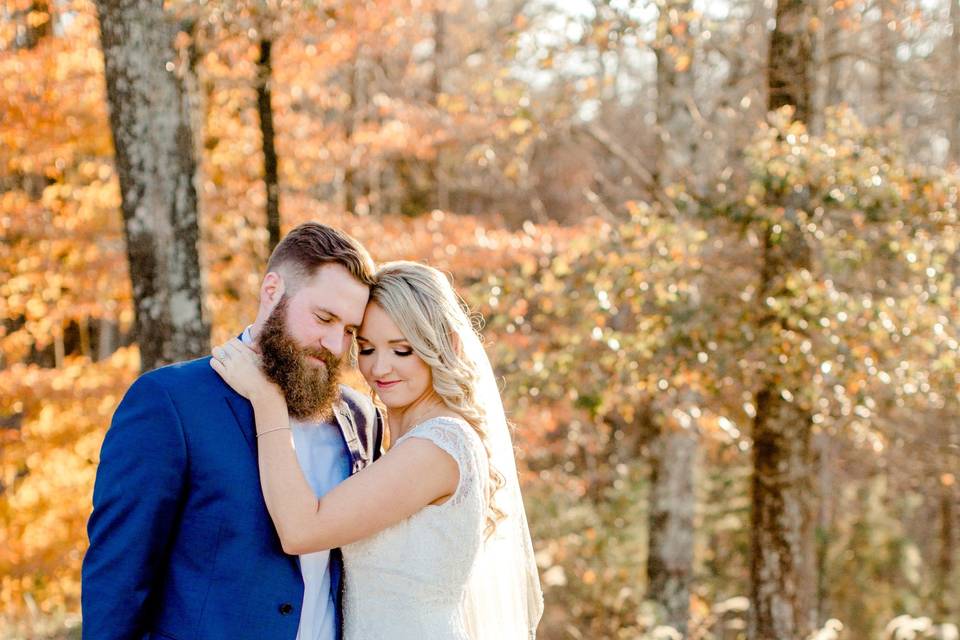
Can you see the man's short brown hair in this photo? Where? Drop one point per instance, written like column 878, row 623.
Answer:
column 312, row 245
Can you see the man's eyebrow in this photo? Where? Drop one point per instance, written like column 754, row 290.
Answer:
column 353, row 327
column 326, row 311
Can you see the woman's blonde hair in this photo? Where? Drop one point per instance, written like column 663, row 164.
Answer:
column 422, row 303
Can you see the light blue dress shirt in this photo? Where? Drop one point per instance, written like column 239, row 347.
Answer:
column 325, row 461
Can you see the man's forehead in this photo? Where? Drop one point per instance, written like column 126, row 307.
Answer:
column 337, row 293
column 341, row 309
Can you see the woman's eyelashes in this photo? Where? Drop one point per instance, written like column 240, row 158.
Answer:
column 403, row 353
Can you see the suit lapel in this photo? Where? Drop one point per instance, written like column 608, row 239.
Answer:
column 348, row 430
column 243, row 413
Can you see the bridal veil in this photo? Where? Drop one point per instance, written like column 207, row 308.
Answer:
column 503, row 599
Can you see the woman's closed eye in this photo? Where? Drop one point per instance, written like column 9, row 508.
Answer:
column 366, row 351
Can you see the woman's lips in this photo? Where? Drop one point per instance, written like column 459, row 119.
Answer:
column 387, row 384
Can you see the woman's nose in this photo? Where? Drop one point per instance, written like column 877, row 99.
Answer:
column 380, row 366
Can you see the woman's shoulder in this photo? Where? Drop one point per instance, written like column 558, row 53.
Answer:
column 444, row 419
column 451, row 423
column 450, row 432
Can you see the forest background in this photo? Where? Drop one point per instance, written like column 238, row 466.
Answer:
column 715, row 245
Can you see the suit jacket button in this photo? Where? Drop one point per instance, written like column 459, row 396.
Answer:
column 286, row 609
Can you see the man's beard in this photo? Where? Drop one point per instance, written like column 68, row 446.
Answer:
column 310, row 390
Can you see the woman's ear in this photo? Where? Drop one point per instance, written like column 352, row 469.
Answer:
column 456, row 343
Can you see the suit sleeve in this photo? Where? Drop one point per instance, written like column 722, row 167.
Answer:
column 136, row 501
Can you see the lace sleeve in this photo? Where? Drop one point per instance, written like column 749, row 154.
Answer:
column 460, row 442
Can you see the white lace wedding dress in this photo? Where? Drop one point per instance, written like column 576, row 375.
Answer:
column 408, row 581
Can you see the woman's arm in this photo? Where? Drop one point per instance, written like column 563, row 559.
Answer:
column 402, row 482
column 396, row 486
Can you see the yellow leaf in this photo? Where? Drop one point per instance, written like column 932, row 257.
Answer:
column 519, row 126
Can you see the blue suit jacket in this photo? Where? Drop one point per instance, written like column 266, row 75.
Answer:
column 181, row 544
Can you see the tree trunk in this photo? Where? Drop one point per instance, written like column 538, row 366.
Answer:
column 59, row 350
column 825, row 466
column 782, row 563
column 790, row 54
column 414, row 191
column 440, row 197
column 376, row 194
column 886, row 61
column 945, row 570
column 83, row 326
column 833, row 93
column 265, row 111
column 782, row 567
column 106, row 338
column 150, row 122
column 781, row 543
column 676, row 139
column 672, row 506
column 953, row 121
column 199, row 88
column 355, row 89
column 34, row 23
column 823, row 81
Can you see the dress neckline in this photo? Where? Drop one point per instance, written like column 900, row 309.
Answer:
column 449, row 419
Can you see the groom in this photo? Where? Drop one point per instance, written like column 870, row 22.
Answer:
column 181, row 544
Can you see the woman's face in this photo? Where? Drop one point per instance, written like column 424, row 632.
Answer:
column 388, row 362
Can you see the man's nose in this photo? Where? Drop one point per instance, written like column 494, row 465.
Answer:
column 335, row 342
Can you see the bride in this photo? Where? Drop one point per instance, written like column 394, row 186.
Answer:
column 434, row 536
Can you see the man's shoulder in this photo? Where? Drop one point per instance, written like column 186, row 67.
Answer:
column 188, row 376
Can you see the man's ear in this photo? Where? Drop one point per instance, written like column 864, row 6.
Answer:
column 272, row 289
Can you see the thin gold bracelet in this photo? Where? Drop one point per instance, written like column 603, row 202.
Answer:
column 263, row 433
